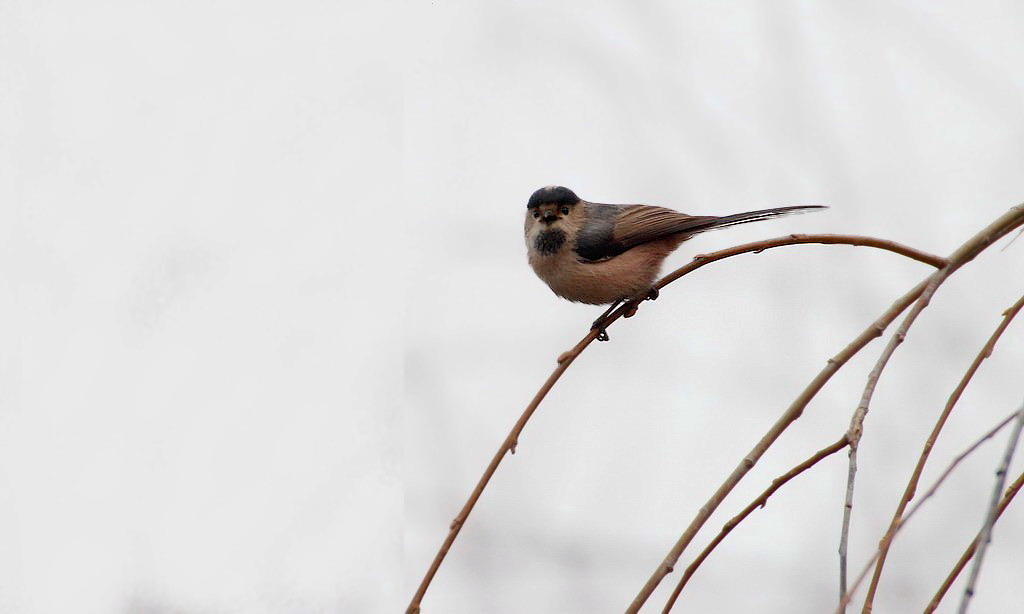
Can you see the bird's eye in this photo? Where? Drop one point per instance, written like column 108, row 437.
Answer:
column 565, row 210
column 536, row 214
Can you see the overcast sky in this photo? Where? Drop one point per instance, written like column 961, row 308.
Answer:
column 265, row 312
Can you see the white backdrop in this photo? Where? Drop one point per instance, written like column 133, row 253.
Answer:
column 266, row 313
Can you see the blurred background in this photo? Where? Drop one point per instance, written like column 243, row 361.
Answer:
column 266, row 312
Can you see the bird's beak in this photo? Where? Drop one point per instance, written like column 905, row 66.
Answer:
column 549, row 216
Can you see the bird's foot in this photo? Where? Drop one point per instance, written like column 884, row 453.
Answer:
column 598, row 325
column 653, row 294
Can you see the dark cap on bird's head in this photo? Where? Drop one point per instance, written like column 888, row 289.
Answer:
column 553, row 194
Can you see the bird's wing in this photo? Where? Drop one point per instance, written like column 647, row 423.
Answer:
column 638, row 224
column 614, row 229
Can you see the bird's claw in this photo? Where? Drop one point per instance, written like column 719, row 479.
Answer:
column 602, row 335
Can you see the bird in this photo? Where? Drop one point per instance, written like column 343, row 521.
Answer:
column 602, row 254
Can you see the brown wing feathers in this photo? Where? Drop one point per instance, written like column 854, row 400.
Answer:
column 617, row 228
column 638, row 224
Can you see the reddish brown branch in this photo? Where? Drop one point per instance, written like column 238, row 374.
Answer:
column 509, row 444
column 801, row 239
column 1011, row 492
column 760, row 501
column 1006, row 223
column 911, row 488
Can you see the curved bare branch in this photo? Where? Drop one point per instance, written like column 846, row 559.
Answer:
column 566, row 359
column 760, row 501
column 967, row 252
column 911, row 488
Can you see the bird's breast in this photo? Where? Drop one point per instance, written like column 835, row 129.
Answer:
column 549, row 241
column 627, row 275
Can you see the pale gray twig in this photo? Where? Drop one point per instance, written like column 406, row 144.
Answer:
column 857, row 421
column 985, row 537
column 846, row 597
column 1011, row 492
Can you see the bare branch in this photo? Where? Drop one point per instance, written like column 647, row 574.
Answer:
column 509, row 445
column 846, row 597
column 801, row 239
column 844, row 536
column 1011, row 492
column 975, row 245
column 857, row 421
column 985, row 537
column 915, row 477
column 760, row 501
column 566, row 359
column 793, row 412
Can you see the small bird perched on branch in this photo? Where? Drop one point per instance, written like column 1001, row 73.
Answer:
column 599, row 254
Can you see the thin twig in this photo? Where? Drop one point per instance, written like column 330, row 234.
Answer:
column 1011, row 492
column 566, row 359
column 985, row 537
column 801, row 239
column 911, row 488
column 509, row 445
column 857, row 421
column 964, row 254
column 1006, row 223
column 846, row 597
column 844, row 536
column 760, row 501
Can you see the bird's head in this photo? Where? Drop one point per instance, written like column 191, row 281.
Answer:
column 549, row 205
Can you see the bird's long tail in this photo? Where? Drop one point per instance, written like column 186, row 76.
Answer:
column 714, row 223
